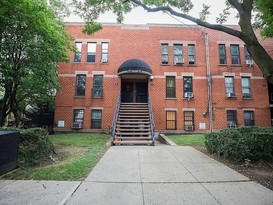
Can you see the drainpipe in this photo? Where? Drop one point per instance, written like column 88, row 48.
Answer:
column 209, row 83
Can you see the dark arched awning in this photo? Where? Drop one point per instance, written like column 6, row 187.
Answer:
column 134, row 66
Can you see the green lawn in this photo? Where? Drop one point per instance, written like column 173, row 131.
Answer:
column 188, row 140
column 85, row 151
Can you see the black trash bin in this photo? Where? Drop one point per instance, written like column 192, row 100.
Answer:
column 9, row 148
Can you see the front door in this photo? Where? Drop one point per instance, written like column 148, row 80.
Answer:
column 127, row 92
column 141, row 92
column 134, row 92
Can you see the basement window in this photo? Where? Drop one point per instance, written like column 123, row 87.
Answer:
column 188, row 120
column 96, row 119
column 171, row 120
column 232, row 118
column 249, row 118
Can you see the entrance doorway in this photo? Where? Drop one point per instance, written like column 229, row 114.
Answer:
column 134, row 92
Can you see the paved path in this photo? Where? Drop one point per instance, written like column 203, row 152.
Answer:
column 144, row 175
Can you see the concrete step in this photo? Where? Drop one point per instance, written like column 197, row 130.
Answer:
column 133, row 126
column 123, row 103
column 124, row 116
column 131, row 142
column 132, row 133
column 134, row 138
column 133, row 122
column 134, row 111
column 133, row 106
column 137, row 129
column 133, row 114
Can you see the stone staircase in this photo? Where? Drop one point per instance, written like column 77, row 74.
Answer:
column 133, row 125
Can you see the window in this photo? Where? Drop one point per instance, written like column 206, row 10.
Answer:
column 97, row 86
column 80, row 85
column 222, row 54
column 165, row 53
column 246, row 87
column 229, row 83
column 249, row 118
column 171, row 120
column 96, row 119
column 235, row 54
column 170, row 87
column 232, row 118
column 188, row 120
column 187, row 86
column 91, row 53
column 78, row 118
column 78, row 54
column 191, row 54
column 248, row 58
column 178, row 54
column 104, row 53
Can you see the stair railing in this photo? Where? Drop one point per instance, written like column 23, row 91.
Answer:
column 151, row 120
column 114, row 123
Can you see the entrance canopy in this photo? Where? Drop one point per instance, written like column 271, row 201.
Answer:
column 134, row 66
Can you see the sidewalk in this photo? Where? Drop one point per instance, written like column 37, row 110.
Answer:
column 145, row 175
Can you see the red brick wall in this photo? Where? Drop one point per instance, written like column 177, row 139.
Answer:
column 144, row 43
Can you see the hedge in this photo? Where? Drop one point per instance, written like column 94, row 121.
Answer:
column 241, row 144
column 34, row 146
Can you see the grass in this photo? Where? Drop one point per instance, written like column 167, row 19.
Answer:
column 75, row 165
column 188, row 140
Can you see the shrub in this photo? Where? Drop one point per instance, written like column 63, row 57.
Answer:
column 34, row 146
column 240, row 144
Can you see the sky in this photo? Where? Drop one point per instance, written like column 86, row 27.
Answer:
column 140, row 16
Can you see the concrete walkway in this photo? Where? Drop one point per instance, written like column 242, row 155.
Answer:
column 145, row 175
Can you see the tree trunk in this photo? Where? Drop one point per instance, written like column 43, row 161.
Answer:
column 3, row 109
column 262, row 59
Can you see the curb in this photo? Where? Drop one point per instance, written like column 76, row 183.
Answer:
column 165, row 140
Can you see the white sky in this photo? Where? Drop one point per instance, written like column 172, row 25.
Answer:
column 140, row 16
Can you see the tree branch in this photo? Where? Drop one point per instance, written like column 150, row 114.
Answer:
column 236, row 5
column 190, row 18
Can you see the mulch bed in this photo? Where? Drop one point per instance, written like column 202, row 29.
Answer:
column 260, row 171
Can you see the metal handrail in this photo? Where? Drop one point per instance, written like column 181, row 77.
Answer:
column 151, row 120
column 114, row 123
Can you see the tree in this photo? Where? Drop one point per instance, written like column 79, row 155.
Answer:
column 264, row 19
column 180, row 8
column 33, row 42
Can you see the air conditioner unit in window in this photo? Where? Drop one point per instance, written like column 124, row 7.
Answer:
column 188, row 127
column 231, row 95
column 104, row 60
column 249, row 62
column 179, row 61
column 232, row 124
column 76, row 125
column 189, row 95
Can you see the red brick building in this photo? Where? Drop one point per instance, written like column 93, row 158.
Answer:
column 196, row 79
